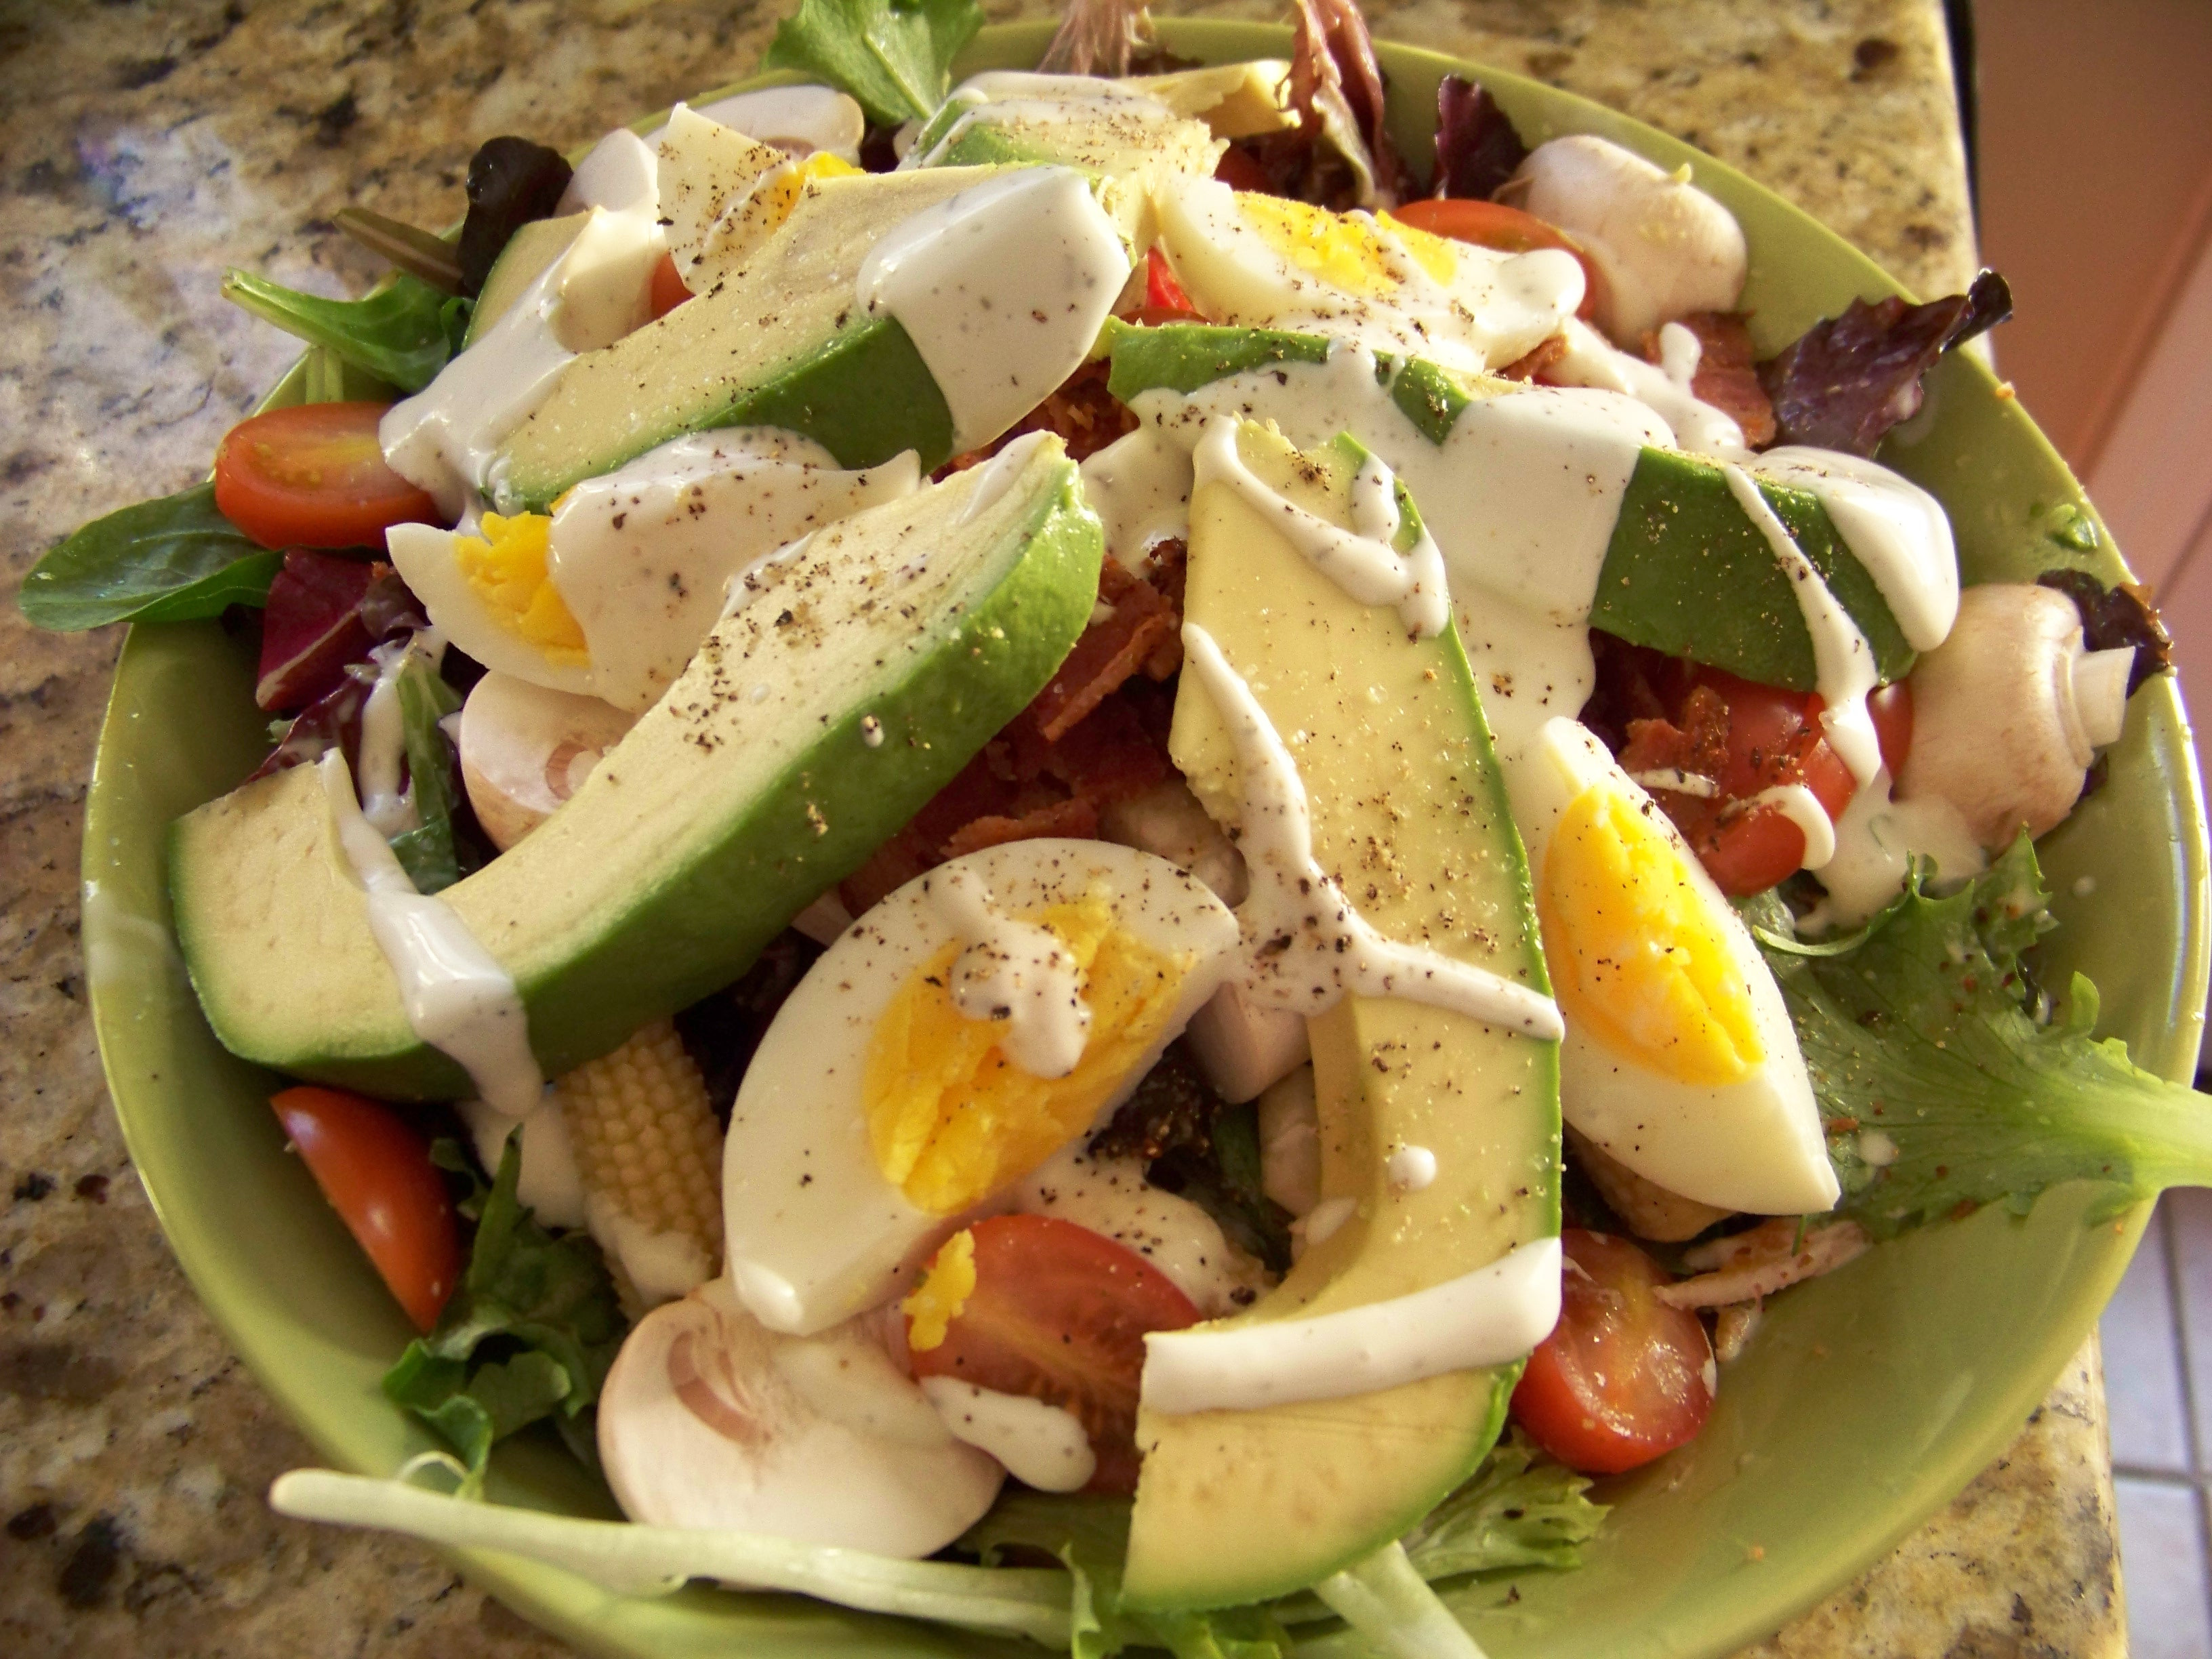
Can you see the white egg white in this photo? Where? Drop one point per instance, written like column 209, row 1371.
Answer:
column 816, row 1233
column 1497, row 307
column 1753, row 1145
column 644, row 556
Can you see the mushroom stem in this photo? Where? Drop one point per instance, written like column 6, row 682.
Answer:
column 2009, row 711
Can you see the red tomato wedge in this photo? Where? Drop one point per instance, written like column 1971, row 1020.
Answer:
column 1162, row 291
column 1624, row 1377
column 1059, row 1313
column 376, row 1171
column 1508, row 229
column 314, row 476
column 668, row 291
column 1770, row 737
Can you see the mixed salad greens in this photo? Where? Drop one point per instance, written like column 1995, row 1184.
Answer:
column 988, row 680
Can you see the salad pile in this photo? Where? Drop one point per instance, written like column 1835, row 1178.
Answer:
column 1078, row 858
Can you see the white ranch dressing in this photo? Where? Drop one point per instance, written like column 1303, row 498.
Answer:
column 1875, row 839
column 1675, row 779
column 459, row 1000
column 1140, row 487
column 1494, row 307
column 443, row 438
column 1487, row 1317
column 1018, row 98
column 1042, row 1445
column 1015, row 972
column 1592, row 360
column 1032, row 242
column 1520, row 496
column 1893, row 527
column 1680, row 352
column 1802, row 808
column 1310, row 945
column 389, row 808
column 1411, row 1169
column 1843, row 662
column 1363, row 560
column 642, row 555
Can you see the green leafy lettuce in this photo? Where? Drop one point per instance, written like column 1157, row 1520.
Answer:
column 174, row 559
column 1948, row 1080
column 529, row 1334
column 403, row 334
column 895, row 57
column 1521, row 1509
column 431, row 854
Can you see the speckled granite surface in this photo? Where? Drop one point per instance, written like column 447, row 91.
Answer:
column 142, row 149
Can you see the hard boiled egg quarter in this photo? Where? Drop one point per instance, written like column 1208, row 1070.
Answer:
column 1264, row 261
column 1679, row 1059
column 954, row 1039
column 610, row 595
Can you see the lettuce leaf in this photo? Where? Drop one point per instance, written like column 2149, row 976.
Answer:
column 1948, row 1080
column 1521, row 1509
column 173, row 559
column 895, row 57
column 403, row 334
column 529, row 1334
column 432, row 854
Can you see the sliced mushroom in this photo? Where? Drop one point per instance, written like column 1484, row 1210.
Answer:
column 1242, row 1046
column 708, row 1419
column 1650, row 1210
column 525, row 750
column 1168, row 821
column 2009, row 711
column 1290, row 1142
column 1666, row 248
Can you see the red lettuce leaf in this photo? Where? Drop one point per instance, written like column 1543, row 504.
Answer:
column 1848, row 379
column 1477, row 147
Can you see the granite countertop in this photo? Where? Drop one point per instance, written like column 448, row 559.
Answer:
column 144, row 147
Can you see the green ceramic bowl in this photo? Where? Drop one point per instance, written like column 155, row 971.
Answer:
column 1869, row 1398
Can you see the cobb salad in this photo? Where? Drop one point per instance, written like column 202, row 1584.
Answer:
column 1016, row 751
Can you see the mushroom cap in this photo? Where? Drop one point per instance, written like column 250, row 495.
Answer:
column 709, row 1419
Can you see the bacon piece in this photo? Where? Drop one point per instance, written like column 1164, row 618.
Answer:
column 1531, row 367
column 1727, row 376
column 1080, row 410
column 1076, row 818
column 1699, row 744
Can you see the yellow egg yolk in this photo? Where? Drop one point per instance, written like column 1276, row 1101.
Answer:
column 1638, row 958
column 938, row 1299
column 777, row 193
column 1350, row 254
column 951, row 1120
column 506, row 568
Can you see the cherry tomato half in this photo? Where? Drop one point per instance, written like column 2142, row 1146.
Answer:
column 1059, row 1313
column 668, row 290
column 376, row 1171
column 1508, row 229
column 1624, row 1377
column 1162, row 291
column 314, row 476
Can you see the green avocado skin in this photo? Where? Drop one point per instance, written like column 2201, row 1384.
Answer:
column 1687, row 571
column 701, row 913
column 865, row 395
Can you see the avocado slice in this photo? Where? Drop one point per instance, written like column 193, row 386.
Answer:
column 1685, row 572
column 788, row 344
column 1409, row 816
column 869, row 664
column 1133, row 146
column 535, row 245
